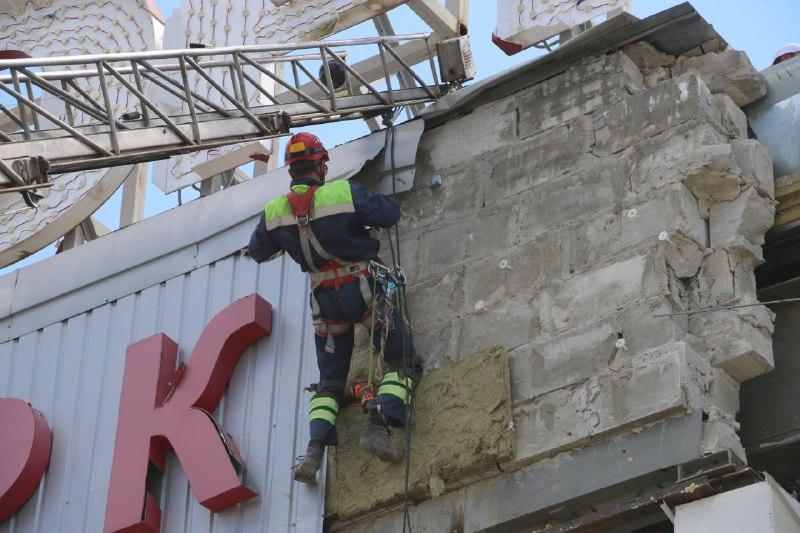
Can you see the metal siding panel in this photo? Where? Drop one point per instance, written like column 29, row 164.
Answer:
column 290, row 337
column 84, row 432
column 43, row 397
column 121, row 316
column 72, row 371
column 87, row 297
column 100, row 363
column 62, row 424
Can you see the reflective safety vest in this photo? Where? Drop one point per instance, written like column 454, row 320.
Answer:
column 303, row 204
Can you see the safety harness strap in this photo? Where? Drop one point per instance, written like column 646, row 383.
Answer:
column 320, row 326
column 302, row 206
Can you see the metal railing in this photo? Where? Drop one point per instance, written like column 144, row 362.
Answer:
column 179, row 101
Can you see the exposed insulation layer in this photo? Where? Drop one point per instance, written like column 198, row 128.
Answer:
column 461, row 428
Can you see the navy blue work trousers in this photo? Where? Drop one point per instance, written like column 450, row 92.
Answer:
column 347, row 307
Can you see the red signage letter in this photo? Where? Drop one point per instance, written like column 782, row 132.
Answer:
column 162, row 407
column 24, row 453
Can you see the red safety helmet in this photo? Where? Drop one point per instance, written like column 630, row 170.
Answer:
column 304, row 147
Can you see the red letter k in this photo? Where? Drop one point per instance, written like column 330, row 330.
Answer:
column 161, row 407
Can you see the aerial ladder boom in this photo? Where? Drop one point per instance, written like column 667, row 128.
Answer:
column 248, row 93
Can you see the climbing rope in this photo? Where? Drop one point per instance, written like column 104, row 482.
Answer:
column 394, row 247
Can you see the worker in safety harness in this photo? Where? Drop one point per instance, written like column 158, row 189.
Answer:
column 323, row 227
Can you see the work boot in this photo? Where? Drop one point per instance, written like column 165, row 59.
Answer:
column 377, row 441
column 306, row 470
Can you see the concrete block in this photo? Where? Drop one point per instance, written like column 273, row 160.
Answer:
column 536, row 160
column 674, row 215
column 654, row 64
column 596, row 239
column 665, row 383
column 489, row 127
column 733, row 118
column 643, row 331
column 723, row 278
column 458, row 196
column 437, row 299
column 720, row 435
column 541, row 367
column 582, row 89
column 740, row 225
column 711, row 173
column 436, row 344
column 660, row 161
column 724, row 392
column 441, row 248
column 683, row 255
column 755, row 162
column 523, row 268
column 585, row 298
column 647, row 57
column 739, row 341
column 674, row 211
column 491, row 229
column 359, row 483
column 599, row 186
column 653, row 111
column 510, row 323
column 573, row 356
column 729, row 72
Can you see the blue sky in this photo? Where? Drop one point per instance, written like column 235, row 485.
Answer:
column 758, row 28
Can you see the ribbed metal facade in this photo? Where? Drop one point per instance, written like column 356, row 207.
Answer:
column 71, row 370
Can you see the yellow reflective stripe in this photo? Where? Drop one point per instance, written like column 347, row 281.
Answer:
column 322, row 414
column 329, row 210
column 276, row 216
column 297, row 147
column 395, row 376
column 325, row 401
column 394, row 390
column 273, row 223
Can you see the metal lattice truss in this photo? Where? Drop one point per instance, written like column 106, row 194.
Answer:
column 150, row 130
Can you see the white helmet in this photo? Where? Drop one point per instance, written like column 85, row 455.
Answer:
column 791, row 48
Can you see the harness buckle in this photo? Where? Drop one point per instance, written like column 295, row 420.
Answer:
column 302, row 220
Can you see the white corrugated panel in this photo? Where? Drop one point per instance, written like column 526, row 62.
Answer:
column 71, row 370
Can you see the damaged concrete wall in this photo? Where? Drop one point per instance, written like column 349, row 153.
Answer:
column 575, row 213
